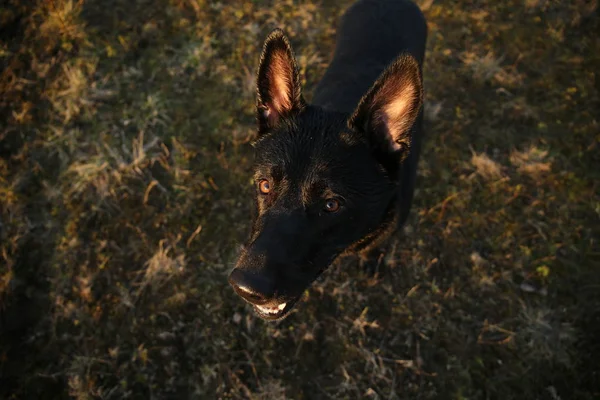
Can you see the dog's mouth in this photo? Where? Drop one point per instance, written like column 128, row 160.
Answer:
column 273, row 312
column 275, row 307
column 276, row 311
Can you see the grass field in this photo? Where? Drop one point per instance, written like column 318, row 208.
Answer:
column 125, row 194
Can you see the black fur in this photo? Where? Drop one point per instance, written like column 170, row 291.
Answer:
column 337, row 175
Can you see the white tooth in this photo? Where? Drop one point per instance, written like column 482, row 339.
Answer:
column 266, row 309
column 272, row 310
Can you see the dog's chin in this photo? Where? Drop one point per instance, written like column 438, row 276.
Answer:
column 276, row 313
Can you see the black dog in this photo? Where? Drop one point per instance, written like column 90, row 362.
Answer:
column 337, row 175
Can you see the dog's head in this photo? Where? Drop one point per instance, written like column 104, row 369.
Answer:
column 324, row 181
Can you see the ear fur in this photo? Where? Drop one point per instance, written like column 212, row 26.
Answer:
column 389, row 109
column 279, row 93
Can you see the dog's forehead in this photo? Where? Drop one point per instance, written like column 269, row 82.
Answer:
column 313, row 135
column 306, row 154
column 314, row 146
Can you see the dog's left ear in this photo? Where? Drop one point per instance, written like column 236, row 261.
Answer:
column 278, row 83
column 389, row 109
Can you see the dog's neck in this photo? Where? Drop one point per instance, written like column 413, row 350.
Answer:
column 370, row 36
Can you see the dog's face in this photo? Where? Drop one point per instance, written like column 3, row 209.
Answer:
column 324, row 181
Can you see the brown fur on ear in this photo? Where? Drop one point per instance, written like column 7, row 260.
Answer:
column 389, row 109
column 278, row 83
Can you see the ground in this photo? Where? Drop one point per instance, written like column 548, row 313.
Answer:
column 125, row 151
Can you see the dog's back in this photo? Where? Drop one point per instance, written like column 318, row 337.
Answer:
column 371, row 35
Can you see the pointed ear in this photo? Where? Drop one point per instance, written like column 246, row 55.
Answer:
column 389, row 109
column 278, row 84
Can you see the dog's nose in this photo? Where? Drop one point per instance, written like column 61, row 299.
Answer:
column 254, row 288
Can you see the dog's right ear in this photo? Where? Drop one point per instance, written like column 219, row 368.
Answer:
column 278, row 83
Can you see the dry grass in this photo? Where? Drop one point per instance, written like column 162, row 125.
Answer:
column 124, row 196
column 486, row 167
column 532, row 161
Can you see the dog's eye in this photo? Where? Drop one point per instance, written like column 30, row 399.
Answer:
column 332, row 205
column 264, row 186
